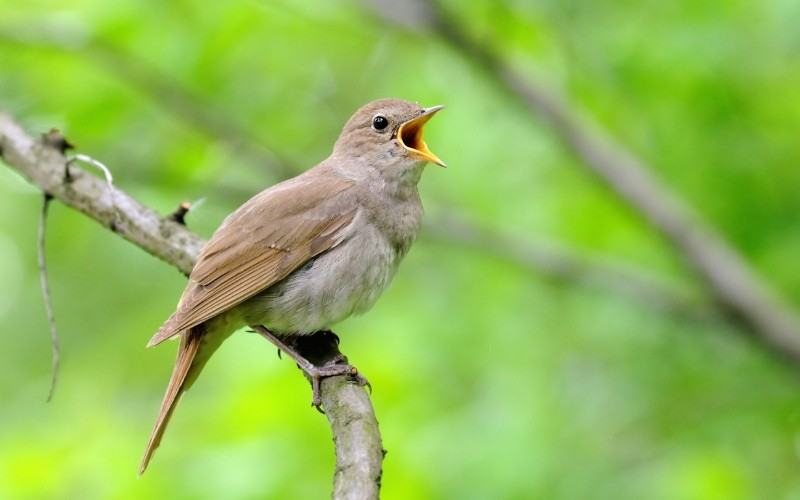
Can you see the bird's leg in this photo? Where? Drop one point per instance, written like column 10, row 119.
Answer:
column 317, row 361
column 322, row 349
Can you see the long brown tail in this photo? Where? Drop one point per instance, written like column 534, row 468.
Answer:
column 190, row 343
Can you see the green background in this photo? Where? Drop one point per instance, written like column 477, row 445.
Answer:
column 491, row 380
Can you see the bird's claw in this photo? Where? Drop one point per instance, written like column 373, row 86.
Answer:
column 357, row 378
column 317, row 374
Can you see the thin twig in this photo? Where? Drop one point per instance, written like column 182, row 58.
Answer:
column 179, row 214
column 91, row 161
column 55, row 343
column 106, row 173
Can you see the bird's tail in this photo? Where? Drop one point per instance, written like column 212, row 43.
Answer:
column 191, row 341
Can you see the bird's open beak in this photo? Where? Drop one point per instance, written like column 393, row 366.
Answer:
column 410, row 135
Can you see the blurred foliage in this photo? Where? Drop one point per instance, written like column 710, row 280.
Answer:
column 490, row 382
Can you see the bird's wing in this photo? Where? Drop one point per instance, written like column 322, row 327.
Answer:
column 261, row 243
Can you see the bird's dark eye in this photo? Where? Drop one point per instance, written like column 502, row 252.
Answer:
column 380, row 122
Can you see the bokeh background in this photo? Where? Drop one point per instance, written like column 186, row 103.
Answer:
column 497, row 373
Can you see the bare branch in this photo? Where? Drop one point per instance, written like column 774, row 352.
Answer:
column 348, row 408
column 55, row 343
column 172, row 97
column 561, row 264
column 739, row 290
column 150, row 81
column 45, row 167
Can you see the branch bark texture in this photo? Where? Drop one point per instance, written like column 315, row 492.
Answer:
column 359, row 453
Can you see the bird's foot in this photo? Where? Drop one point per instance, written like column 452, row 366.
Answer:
column 317, row 374
column 329, row 365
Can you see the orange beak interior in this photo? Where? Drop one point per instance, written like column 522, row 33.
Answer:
column 410, row 135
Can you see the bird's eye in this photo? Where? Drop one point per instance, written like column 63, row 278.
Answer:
column 380, row 122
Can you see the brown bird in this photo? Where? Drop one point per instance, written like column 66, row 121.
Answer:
column 308, row 252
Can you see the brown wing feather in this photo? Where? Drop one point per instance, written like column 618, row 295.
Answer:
column 261, row 243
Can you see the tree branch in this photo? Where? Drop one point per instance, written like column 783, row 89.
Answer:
column 175, row 98
column 739, row 291
column 359, row 454
column 563, row 265
column 55, row 342
column 554, row 262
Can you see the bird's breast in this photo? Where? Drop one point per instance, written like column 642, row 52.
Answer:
column 343, row 281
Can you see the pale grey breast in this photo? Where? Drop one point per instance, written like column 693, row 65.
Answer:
column 345, row 280
column 350, row 277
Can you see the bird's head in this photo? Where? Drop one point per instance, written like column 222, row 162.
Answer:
column 388, row 135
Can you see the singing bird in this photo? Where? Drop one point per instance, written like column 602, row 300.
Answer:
column 308, row 252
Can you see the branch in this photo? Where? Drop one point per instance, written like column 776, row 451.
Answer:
column 563, row 265
column 556, row 261
column 737, row 289
column 151, row 82
column 359, row 454
column 55, row 343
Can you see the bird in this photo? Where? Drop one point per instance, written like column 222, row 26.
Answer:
column 306, row 253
